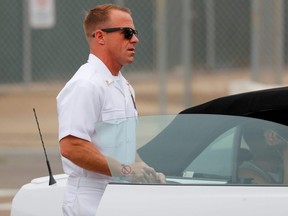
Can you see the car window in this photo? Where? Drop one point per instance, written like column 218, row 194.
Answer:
column 216, row 160
column 266, row 154
column 201, row 148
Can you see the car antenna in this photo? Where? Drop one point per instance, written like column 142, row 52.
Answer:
column 51, row 178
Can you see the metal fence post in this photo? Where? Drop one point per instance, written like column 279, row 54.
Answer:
column 255, row 39
column 26, row 56
column 162, row 52
column 187, row 50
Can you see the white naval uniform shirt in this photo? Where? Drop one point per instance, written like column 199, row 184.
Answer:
column 91, row 96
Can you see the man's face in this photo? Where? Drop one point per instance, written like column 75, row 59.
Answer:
column 120, row 50
column 272, row 138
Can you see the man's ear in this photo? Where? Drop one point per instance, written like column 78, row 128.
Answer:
column 99, row 37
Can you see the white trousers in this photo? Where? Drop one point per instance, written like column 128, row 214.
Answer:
column 82, row 196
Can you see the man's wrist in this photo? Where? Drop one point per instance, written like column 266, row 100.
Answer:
column 125, row 170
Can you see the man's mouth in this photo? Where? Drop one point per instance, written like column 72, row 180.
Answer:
column 131, row 49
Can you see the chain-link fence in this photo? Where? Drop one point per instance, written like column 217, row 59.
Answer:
column 205, row 35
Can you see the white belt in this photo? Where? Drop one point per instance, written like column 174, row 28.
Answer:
column 87, row 182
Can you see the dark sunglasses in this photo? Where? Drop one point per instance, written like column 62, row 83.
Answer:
column 128, row 32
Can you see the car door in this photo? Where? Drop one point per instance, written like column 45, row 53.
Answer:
column 200, row 156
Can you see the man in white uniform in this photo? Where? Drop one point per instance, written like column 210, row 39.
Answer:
column 93, row 155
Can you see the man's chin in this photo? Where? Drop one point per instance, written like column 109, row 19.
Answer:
column 130, row 60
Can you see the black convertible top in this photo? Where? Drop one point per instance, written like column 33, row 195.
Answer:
column 269, row 104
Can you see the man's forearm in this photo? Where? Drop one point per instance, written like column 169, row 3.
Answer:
column 84, row 154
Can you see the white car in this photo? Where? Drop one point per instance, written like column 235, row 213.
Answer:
column 225, row 157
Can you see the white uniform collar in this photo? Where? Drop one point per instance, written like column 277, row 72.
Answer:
column 92, row 59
